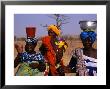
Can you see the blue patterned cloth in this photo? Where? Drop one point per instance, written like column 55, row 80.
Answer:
column 25, row 57
column 31, row 40
column 91, row 66
column 92, row 35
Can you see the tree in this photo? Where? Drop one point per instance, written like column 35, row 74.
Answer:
column 60, row 19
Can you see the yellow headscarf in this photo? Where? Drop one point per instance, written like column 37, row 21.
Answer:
column 54, row 28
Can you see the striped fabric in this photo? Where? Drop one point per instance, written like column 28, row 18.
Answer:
column 85, row 66
column 91, row 65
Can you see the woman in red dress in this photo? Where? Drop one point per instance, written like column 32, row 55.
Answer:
column 52, row 48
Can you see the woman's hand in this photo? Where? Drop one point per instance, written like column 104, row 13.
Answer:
column 42, row 67
column 34, row 65
column 43, row 49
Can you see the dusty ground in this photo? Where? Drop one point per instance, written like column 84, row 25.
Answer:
column 67, row 55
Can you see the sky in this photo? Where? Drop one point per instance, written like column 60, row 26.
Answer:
column 21, row 21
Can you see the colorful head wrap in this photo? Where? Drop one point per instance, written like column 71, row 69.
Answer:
column 31, row 40
column 91, row 34
column 54, row 28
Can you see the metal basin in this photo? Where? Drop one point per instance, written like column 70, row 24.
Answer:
column 91, row 25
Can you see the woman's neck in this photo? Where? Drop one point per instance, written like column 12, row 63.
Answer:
column 53, row 38
column 90, row 52
column 88, row 49
column 33, row 52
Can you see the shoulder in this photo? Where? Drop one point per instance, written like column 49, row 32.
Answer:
column 38, row 53
column 24, row 54
column 95, row 50
column 45, row 39
column 39, row 56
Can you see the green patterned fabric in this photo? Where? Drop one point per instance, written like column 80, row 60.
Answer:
column 25, row 70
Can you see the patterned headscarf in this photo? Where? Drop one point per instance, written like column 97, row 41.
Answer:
column 31, row 40
column 91, row 34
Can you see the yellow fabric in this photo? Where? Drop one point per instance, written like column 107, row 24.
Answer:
column 60, row 44
column 54, row 28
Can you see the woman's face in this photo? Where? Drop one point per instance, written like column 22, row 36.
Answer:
column 87, row 43
column 29, row 47
column 52, row 33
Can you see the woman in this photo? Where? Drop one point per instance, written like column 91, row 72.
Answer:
column 52, row 48
column 31, row 63
column 84, row 60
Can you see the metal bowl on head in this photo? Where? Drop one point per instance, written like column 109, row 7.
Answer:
column 88, row 25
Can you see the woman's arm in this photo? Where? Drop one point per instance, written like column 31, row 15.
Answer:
column 43, row 49
column 72, row 63
column 42, row 66
column 17, row 60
